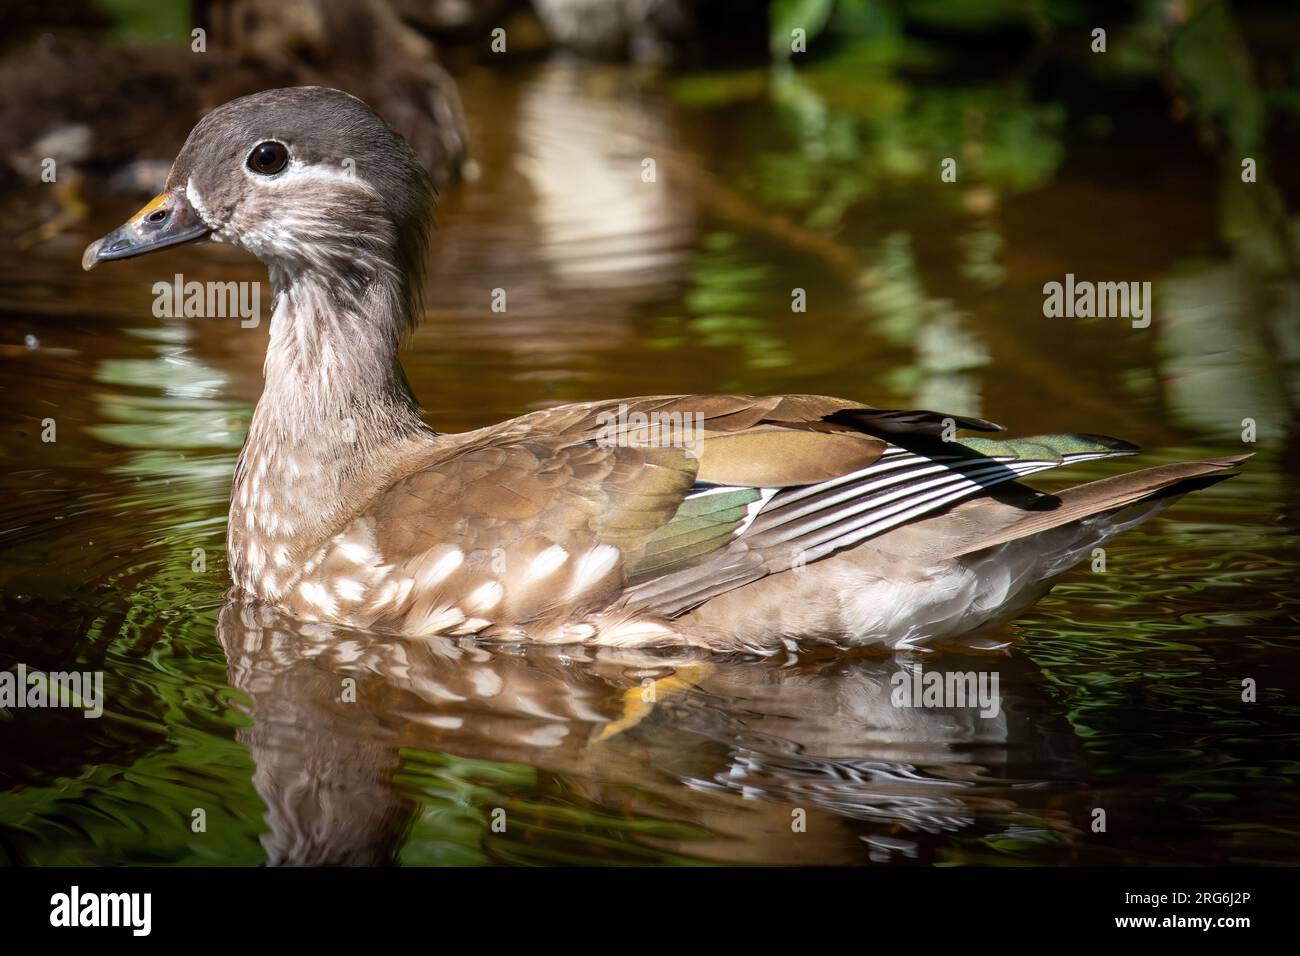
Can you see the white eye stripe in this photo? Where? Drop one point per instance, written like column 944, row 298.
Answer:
column 298, row 171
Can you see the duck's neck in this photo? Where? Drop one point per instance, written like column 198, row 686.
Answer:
column 336, row 417
column 332, row 357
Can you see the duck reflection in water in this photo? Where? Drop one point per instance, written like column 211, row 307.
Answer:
column 802, row 761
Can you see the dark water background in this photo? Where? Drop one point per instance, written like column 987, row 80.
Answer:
column 1121, row 691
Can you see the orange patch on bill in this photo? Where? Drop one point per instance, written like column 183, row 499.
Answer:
column 151, row 205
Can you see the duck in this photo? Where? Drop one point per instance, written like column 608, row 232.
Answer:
column 728, row 523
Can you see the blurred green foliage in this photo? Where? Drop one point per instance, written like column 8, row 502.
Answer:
column 148, row 19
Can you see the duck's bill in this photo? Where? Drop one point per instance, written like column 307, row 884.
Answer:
column 168, row 220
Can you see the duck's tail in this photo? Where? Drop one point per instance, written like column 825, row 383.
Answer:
column 951, row 575
column 1010, row 547
column 1100, row 509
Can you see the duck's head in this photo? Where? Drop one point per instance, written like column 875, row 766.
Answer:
column 308, row 179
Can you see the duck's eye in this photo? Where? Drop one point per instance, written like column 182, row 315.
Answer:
column 268, row 158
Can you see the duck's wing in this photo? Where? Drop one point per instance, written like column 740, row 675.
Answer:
column 793, row 527
column 650, row 503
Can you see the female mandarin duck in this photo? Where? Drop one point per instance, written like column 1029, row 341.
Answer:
column 783, row 518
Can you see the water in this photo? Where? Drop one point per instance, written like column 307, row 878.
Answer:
column 1121, row 691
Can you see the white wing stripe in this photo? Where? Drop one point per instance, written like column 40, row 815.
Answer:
column 910, row 491
column 782, row 513
column 909, row 508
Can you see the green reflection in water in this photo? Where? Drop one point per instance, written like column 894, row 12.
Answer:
column 727, row 287
column 475, row 812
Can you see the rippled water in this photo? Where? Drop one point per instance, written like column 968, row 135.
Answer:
column 1121, row 690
